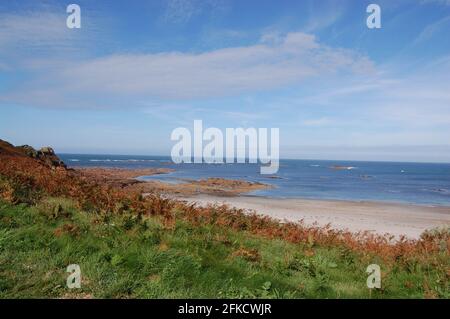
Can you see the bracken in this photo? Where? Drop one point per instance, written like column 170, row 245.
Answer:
column 23, row 179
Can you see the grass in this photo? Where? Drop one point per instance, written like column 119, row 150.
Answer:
column 126, row 255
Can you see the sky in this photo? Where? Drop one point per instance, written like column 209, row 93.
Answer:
column 136, row 70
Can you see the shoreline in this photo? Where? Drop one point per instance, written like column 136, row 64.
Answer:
column 374, row 201
column 250, row 193
column 268, row 186
column 356, row 216
column 377, row 217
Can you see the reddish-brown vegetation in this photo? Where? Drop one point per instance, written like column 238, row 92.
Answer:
column 25, row 179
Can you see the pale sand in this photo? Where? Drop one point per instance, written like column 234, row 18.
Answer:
column 377, row 217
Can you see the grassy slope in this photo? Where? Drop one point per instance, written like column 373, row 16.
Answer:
column 123, row 256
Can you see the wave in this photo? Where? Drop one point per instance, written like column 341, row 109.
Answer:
column 120, row 160
column 340, row 167
column 440, row 191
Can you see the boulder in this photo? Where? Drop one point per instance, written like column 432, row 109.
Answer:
column 47, row 150
column 29, row 151
column 47, row 156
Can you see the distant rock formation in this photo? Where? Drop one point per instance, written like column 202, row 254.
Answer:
column 46, row 155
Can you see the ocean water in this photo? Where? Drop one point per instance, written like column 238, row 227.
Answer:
column 416, row 183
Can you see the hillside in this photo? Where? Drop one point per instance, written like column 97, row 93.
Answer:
column 128, row 245
column 45, row 156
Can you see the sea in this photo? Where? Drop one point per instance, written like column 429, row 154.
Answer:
column 413, row 183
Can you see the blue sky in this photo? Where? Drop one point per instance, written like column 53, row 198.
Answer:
column 136, row 70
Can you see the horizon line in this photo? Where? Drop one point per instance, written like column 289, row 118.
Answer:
column 284, row 159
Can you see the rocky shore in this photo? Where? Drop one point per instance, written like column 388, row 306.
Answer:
column 127, row 179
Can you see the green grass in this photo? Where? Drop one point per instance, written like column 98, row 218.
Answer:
column 129, row 257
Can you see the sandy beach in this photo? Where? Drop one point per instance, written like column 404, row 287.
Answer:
column 381, row 218
column 377, row 217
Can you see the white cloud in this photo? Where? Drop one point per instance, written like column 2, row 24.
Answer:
column 39, row 37
column 33, row 30
column 176, row 75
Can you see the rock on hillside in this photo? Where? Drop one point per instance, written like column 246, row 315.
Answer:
column 45, row 155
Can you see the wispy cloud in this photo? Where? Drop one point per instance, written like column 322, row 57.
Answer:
column 33, row 29
column 323, row 17
column 432, row 29
column 182, row 11
column 38, row 38
column 442, row 2
column 176, row 75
